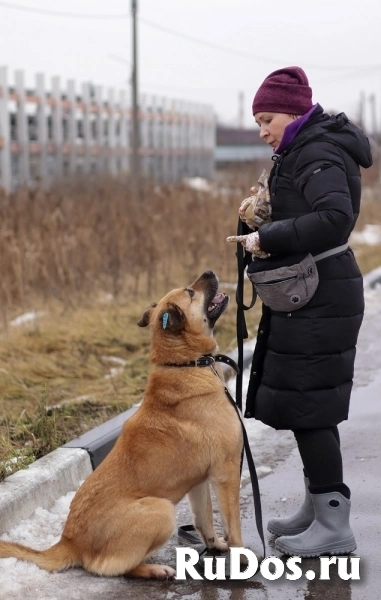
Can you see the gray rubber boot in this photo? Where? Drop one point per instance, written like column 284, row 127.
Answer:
column 330, row 533
column 299, row 521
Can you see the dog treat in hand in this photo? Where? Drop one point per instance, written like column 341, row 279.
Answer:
column 256, row 210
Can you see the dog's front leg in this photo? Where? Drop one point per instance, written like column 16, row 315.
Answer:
column 226, row 483
column 201, row 504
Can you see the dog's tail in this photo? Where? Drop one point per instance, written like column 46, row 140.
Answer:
column 59, row 557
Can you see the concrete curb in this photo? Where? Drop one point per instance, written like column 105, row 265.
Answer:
column 44, row 481
column 98, row 441
column 61, row 471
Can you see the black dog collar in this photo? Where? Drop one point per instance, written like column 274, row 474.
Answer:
column 207, row 360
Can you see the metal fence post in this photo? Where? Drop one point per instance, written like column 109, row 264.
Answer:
column 22, row 130
column 57, row 126
column 100, row 130
column 72, row 126
column 5, row 133
column 123, row 134
column 86, row 128
column 112, row 167
column 42, row 130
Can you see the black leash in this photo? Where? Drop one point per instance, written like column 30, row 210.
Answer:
column 241, row 307
column 253, row 473
column 187, row 531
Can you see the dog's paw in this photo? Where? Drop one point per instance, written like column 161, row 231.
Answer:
column 151, row 571
column 162, row 572
column 217, row 543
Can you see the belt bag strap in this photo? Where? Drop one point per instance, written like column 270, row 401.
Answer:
column 331, row 252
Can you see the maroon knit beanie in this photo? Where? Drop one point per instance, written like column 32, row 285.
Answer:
column 284, row 91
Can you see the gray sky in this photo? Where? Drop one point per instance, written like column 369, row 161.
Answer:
column 320, row 36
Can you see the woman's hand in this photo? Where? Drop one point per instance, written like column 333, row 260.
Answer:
column 250, row 241
column 255, row 210
column 245, row 204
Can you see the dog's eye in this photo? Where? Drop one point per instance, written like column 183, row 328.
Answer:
column 190, row 292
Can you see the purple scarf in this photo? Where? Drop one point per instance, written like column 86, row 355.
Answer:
column 292, row 129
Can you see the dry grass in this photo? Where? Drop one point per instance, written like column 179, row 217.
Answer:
column 72, row 371
column 368, row 256
column 72, row 242
column 89, row 261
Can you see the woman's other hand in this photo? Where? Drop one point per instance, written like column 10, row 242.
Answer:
column 250, row 241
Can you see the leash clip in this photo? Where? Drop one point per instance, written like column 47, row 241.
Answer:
column 204, row 361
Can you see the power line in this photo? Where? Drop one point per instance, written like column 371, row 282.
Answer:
column 55, row 13
column 338, row 77
column 351, row 70
column 242, row 54
column 119, row 59
column 355, row 74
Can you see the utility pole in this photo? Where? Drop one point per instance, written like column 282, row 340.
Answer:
column 374, row 131
column 373, row 115
column 361, row 109
column 241, row 112
column 135, row 162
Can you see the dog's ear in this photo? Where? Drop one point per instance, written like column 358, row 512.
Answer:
column 144, row 319
column 172, row 319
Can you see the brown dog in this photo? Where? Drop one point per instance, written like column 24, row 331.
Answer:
column 184, row 436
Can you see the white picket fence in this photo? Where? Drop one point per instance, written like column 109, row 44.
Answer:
column 48, row 136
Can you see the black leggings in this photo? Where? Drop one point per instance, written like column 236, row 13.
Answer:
column 321, row 455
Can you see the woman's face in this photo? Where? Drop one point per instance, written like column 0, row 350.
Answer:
column 272, row 126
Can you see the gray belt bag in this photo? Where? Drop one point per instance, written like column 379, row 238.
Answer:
column 288, row 283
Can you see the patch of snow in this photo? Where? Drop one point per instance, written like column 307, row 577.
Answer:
column 370, row 235
column 7, row 465
column 115, row 359
column 42, row 530
column 76, row 400
column 114, row 372
column 27, row 318
column 263, row 470
column 198, row 183
column 372, row 281
column 105, row 298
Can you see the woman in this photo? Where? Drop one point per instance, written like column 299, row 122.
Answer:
column 303, row 363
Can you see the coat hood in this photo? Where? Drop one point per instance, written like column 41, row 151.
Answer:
column 340, row 131
column 351, row 138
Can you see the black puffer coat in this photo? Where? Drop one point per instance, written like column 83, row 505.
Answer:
column 303, row 362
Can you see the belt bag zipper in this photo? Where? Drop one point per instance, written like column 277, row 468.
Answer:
column 274, row 281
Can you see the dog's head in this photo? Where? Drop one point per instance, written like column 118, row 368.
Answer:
column 182, row 322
